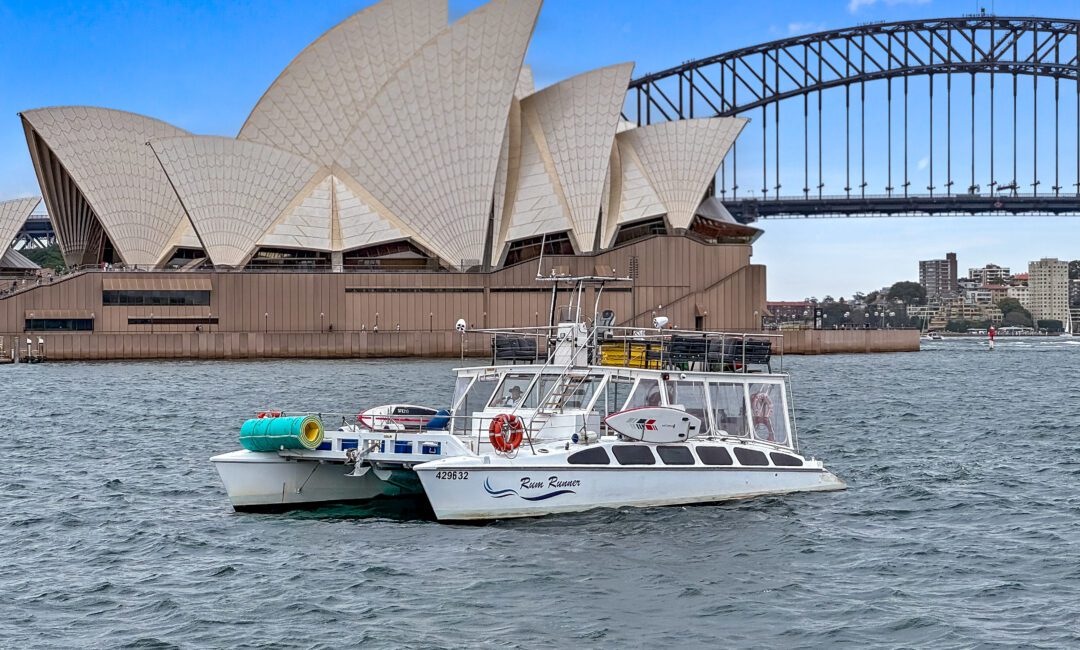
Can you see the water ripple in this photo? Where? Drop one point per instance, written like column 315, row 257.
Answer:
column 960, row 528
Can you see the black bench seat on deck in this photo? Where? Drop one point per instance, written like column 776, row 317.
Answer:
column 514, row 348
column 732, row 352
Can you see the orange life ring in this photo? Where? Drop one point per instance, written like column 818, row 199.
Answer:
column 506, row 433
column 268, row 414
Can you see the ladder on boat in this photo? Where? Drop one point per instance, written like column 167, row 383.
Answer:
column 565, row 386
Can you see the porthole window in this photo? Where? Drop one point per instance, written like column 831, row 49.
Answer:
column 785, row 460
column 751, row 457
column 633, row 455
column 714, row 455
column 591, row 456
column 675, row 455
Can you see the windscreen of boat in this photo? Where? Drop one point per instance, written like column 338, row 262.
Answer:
column 460, row 386
column 691, row 396
column 729, row 408
column 514, row 392
column 475, row 398
column 767, row 412
column 612, row 396
column 646, row 393
column 581, row 392
column 541, row 390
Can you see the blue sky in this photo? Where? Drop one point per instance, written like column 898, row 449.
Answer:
column 202, row 65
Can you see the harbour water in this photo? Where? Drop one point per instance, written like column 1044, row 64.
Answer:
column 961, row 526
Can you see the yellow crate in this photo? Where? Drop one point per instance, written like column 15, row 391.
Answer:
column 632, row 355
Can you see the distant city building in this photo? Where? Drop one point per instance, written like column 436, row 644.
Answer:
column 1019, row 292
column 923, row 312
column 1074, row 293
column 938, row 277
column 989, row 274
column 996, row 291
column 1048, row 286
column 990, row 293
column 956, row 309
column 783, row 312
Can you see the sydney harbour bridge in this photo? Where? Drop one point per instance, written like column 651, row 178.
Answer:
column 973, row 115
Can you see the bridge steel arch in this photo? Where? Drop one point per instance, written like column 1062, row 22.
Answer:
column 751, row 80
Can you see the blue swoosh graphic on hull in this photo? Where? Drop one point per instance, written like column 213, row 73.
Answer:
column 548, row 495
column 499, row 494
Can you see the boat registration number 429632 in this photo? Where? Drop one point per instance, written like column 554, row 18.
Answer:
column 452, row 475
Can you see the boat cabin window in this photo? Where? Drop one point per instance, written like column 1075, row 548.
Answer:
column 613, row 396
column 675, row 455
column 591, row 456
column 475, row 398
column 581, row 391
column 750, row 456
column 785, row 460
column 646, row 393
column 633, row 455
column 691, row 396
column 541, row 391
column 767, row 412
column 460, row 387
column 729, row 409
column 714, row 455
column 512, row 391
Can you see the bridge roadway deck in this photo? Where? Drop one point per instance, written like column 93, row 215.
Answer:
column 749, row 210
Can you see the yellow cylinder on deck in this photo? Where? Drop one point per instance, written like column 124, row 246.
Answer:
column 272, row 434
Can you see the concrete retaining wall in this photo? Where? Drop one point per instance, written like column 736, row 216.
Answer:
column 438, row 344
column 850, row 341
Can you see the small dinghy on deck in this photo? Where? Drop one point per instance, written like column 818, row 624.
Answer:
column 403, row 417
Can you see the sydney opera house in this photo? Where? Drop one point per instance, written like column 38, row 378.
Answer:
column 399, row 174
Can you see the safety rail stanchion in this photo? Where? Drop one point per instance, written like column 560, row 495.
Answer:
column 661, row 350
column 479, row 433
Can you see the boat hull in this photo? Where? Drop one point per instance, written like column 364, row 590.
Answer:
column 266, row 481
column 484, row 493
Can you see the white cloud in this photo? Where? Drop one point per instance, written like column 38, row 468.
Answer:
column 924, row 162
column 855, row 5
column 805, row 28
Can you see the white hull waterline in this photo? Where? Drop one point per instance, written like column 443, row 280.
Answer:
column 267, row 481
column 472, row 489
column 275, row 480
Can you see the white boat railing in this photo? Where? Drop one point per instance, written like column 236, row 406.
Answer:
column 479, row 423
column 650, row 348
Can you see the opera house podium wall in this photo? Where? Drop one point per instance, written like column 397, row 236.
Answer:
column 255, row 314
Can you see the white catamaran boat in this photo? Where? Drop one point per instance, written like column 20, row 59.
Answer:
column 565, row 418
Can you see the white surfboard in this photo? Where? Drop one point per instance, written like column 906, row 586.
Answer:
column 655, row 424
